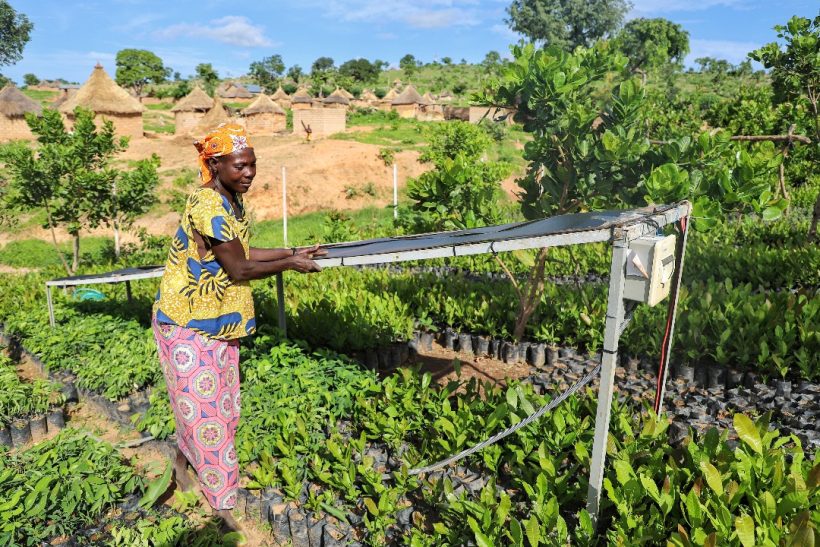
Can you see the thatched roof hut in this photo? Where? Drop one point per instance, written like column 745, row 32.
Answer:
column 213, row 118
column 281, row 98
column 14, row 106
column 428, row 99
column 69, row 93
column 107, row 100
column 235, row 91
column 190, row 110
column 445, row 97
column 264, row 117
column 368, row 95
column 345, row 93
column 336, row 99
column 301, row 99
column 391, row 94
column 407, row 103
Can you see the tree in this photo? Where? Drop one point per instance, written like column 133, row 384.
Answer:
column 447, row 61
column 566, row 23
column 651, row 43
column 138, row 67
column 69, row 175
column 360, row 70
column 321, row 72
column 590, row 151
column 267, row 72
column 408, row 64
column 296, row 73
column 132, row 194
column 30, row 79
column 209, row 77
column 715, row 67
column 795, row 73
column 15, row 32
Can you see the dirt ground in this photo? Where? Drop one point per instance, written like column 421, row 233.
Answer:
column 440, row 363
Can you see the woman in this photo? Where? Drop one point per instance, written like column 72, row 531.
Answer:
column 204, row 306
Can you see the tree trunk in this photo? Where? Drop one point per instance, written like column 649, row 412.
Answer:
column 76, row 262
column 54, row 238
column 530, row 294
column 116, row 239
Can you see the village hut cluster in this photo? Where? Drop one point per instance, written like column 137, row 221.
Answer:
column 261, row 114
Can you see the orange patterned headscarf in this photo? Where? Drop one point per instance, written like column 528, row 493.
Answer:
column 226, row 139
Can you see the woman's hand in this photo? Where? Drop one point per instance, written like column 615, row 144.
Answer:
column 302, row 263
column 311, row 252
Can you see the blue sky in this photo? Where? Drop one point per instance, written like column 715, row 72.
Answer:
column 71, row 36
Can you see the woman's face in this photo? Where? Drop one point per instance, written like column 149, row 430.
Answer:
column 236, row 171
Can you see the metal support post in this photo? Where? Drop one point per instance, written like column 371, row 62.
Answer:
column 128, row 291
column 609, row 361
column 395, row 191
column 284, row 206
column 280, row 297
column 50, row 307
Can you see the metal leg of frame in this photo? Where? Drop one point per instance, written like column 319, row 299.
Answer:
column 280, row 297
column 128, row 291
column 50, row 307
column 609, row 360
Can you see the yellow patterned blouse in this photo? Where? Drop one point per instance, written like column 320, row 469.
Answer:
column 196, row 293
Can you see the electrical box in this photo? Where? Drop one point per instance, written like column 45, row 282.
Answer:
column 650, row 265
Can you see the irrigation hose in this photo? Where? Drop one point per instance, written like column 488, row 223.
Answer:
column 510, row 430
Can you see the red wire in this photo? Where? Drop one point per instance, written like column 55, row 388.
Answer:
column 673, row 301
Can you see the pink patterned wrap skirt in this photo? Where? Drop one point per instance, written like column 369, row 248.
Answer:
column 202, row 375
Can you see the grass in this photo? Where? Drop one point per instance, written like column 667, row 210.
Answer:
column 36, row 253
column 305, row 229
column 398, row 133
column 45, row 97
column 158, row 122
column 160, row 106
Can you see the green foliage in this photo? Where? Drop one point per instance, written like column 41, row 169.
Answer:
column 267, row 72
column 208, row 75
column 566, row 24
column 361, row 70
column 30, row 79
column 462, row 190
column 20, row 398
column 652, row 43
column 795, row 69
column 762, row 493
column 38, row 502
column 15, row 32
column 138, row 67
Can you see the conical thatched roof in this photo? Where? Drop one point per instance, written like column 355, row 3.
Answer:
column 214, row 117
column 337, row 97
column 14, row 104
column 280, row 94
column 102, row 95
column 195, row 101
column 428, row 98
column 345, row 93
column 445, row 96
column 263, row 104
column 236, row 91
column 390, row 95
column 63, row 98
column 368, row 95
column 301, row 96
column 408, row 96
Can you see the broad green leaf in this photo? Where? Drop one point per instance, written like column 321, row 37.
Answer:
column 533, row 531
column 712, row 477
column 371, row 507
column 748, row 433
column 156, row 488
column 745, row 528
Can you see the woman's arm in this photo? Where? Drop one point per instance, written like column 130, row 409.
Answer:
column 269, row 255
column 231, row 256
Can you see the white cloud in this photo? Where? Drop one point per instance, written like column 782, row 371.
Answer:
column 234, row 30
column 734, row 52
column 506, row 32
column 423, row 14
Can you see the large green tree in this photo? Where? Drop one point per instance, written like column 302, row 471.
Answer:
column 267, row 72
column 69, row 176
column 208, row 75
column 566, row 23
column 409, row 65
column 138, row 67
column 651, row 43
column 15, row 32
column 360, row 70
column 795, row 73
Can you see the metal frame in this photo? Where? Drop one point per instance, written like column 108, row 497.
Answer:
column 618, row 311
